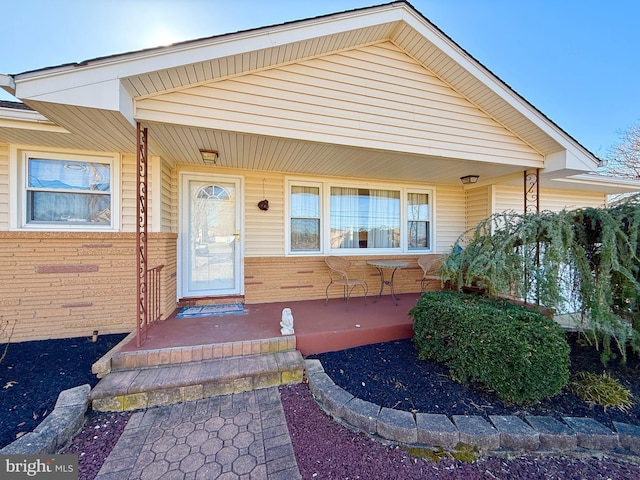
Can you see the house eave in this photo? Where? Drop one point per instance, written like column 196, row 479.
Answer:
column 37, row 83
column 599, row 183
column 27, row 120
column 8, row 84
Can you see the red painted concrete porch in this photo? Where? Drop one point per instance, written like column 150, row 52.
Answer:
column 318, row 327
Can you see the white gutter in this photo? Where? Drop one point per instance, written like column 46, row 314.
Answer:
column 603, row 182
column 8, row 84
column 27, row 120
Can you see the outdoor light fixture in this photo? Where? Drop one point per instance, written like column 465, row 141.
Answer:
column 469, row 179
column 209, row 156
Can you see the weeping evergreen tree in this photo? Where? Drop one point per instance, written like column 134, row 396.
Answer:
column 584, row 262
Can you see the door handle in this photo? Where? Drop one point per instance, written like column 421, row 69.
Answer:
column 237, row 235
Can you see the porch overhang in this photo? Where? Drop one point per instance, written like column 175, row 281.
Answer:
column 243, row 151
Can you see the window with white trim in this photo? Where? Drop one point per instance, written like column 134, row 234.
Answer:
column 67, row 191
column 304, row 227
column 418, row 224
column 350, row 219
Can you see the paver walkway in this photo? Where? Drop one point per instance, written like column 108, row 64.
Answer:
column 239, row 436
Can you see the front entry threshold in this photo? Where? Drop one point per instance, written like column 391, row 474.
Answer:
column 217, row 300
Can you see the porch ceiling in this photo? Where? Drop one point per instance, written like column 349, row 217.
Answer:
column 236, row 150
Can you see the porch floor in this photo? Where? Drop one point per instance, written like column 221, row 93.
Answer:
column 318, row 327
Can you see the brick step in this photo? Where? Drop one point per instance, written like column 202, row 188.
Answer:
column 129, row 360
column 168, row 384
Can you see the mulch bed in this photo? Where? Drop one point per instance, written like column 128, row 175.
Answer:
column 33, row 374
column 326, row 450
column 391, row 375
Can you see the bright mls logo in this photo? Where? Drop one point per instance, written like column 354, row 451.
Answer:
column 50, row 467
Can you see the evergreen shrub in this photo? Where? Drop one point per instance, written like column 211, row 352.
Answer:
column 512, row 350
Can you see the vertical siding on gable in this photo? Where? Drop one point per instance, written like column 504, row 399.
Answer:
column 4, row 187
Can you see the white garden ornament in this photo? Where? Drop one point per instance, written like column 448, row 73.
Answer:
column 287, row 322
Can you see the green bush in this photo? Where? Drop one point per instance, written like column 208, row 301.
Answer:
column 510, row 349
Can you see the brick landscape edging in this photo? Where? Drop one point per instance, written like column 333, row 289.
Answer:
column 509, row 432
column 58, row 428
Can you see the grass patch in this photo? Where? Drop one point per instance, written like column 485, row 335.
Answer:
column 463, row 452
column 602, row 390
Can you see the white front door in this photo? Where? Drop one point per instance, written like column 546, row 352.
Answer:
column 210, row 237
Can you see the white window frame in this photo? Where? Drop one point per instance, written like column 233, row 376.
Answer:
column 19, row 191
column 430, row 220
column 325, row 230
column 303, row 183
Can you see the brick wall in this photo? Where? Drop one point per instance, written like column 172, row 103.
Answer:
column 269, row 279
column 59, row 284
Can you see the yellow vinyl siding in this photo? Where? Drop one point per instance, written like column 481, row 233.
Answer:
column 478, row 205
column 374, row 96
column 264, row 230
column 129, row 192
column 166, row 194
column 4, row 187
column 129, row 175
column 512, row 198
column 449, row 216
column 509, row 198
column 556, row 200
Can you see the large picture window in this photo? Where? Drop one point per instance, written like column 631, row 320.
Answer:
column 67, row 191
column 357, row 219
column 364, row 218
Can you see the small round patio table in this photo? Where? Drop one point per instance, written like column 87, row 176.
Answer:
column 383, row 265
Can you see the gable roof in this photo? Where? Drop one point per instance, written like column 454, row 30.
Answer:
column 105, row 90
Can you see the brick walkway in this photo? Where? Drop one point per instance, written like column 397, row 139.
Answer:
column 239, row 436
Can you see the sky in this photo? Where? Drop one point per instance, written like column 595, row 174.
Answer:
column 578, row 61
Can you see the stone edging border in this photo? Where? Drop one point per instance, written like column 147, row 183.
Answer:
column 55, row 431
column 510, row 432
